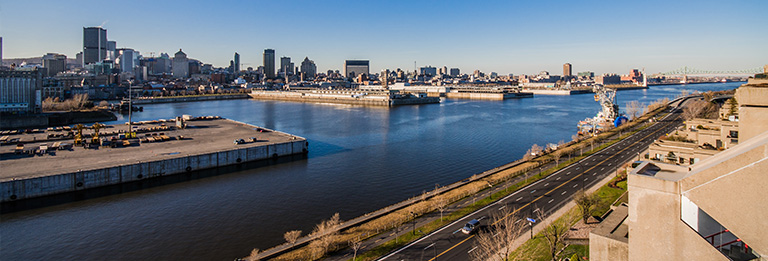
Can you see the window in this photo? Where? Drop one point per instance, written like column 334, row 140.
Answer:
column 682, row 160
column 691, row 161
column 733, row 134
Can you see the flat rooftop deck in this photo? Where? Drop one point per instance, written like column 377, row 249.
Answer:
column 200, row 137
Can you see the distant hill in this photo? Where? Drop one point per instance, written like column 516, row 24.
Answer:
column 31, row 60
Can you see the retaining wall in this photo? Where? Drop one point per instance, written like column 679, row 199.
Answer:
column 85, row 179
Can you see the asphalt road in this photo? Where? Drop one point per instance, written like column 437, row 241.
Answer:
column 546, row 195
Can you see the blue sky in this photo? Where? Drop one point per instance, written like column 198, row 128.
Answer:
column 520, row 37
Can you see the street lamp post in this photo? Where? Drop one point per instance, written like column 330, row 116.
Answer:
column 413, row 217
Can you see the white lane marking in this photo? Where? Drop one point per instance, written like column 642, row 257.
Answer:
column 519, row 199
column 609, row 164
column 602, row 169
column 550, row 201
column 568, row 173
column 558, row 178
column 473, row 249
column 563, row 193
column 430, row 245
column 575, row 185
column 594, row 173
column 502, row 207
column 546, row 184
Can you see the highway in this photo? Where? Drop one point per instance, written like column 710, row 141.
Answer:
column 546, row 195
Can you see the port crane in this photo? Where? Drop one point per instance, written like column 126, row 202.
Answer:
column 605, row 117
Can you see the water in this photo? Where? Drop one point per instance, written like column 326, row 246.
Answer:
column 361, row 159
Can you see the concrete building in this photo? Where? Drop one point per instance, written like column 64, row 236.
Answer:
column 180, row 65
column 713, row 210
column 567, row 70
column 608, row 79
column 94, row 44
column 455, row 72
column 162, row 64
column 269, row 63
column 237, row 64
column 355, row 68
column 54, row 63
column 21, row 91
column 1, row 52
column 428, row 71
column 308, row 69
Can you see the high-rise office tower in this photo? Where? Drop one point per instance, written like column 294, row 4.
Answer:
column 455, row 72
column 111, row 50
column 1, row 51
column 567, row 70
column 285, row 65
column 94, row 44
column 237, row 63
column 354, row 68
column 269, row 63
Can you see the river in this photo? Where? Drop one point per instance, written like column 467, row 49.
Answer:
column 361, row 159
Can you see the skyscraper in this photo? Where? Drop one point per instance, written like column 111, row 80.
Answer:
column 1, row 51
column 111, row 50
column 180, row 65
column 269, row 63
column 567, row 71
column 354, row 68
column 455, row 72
column 237, row 63
column 285, row 65
column 94, row 44
column 308, row 68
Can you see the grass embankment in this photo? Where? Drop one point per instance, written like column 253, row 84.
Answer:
column 430, row 203
column 538, row 249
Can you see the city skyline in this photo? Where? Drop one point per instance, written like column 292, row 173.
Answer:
column 489, row 36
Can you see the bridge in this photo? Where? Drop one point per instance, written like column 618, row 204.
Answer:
column 686, row 71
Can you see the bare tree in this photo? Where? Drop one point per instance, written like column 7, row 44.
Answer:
column 355, row 243
column 440, row 203
column 326, row 231
column 292, row 236
column 586, row 203
column 555, row 234
column 633, row 108
column 495, row 242
column 693, row 109
column 253, row 255
column 532, row 152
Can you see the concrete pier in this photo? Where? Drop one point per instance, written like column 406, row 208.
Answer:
column 357, row 97
column 203, row 144
column 557, row 92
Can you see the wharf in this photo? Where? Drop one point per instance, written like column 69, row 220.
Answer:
column 172, row 99
column 203, row 144
column 357, row 97
column 481, row 94
column 557, row 92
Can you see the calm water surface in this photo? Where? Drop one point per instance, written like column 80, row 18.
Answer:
column 361, row 159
